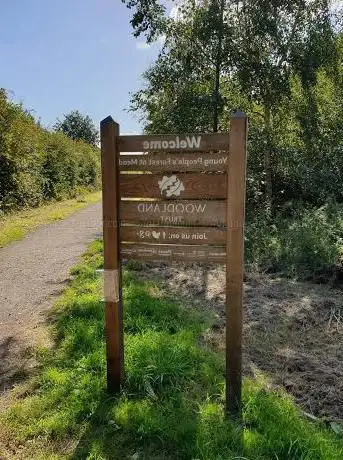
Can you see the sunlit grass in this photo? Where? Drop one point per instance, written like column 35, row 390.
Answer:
column 171, row 406
column 15, row 226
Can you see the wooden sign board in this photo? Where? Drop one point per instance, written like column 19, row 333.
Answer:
column 170, row 213
column 165, row 252
column 173, row 186
column 174, row 162
column 174, row 143
column 165, row 235
column 181, row 212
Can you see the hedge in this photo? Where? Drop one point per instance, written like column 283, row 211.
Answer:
column 37, row 165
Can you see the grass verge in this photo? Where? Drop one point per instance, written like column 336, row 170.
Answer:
column 15, row 226
column 172, row 404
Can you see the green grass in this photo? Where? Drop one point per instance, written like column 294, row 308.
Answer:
column 15, row 226
column 171, row 406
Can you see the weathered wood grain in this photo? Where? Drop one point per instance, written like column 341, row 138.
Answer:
column 187, row 212
column 180, row 186
column 174, row 143
column 169, row 252
column 235, row 263
column 157, row 162
column 113, row 306
column 168, row 235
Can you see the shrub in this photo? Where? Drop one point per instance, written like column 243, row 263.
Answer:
column 300, row 242
column 37, row 165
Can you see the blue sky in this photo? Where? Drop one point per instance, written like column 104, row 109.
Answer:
column 61, row 55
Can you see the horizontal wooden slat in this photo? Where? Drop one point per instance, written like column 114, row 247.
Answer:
column 184, row 235
column 212, row 213
column 180, row 186
column 167, row 252
column 174, row 143
column 174, row 162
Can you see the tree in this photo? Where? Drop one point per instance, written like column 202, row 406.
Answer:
column 215, row 45
column 276, row 40
column 78, row 127
column 184, row 85
column 149, row 17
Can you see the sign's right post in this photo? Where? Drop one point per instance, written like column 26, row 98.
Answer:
column 235, row 262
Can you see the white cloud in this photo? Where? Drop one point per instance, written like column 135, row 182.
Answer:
column 145, row 46
column 174, row 12
column 142, row 46
column 161, row 39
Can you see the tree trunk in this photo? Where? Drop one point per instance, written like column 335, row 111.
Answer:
column 268, row 160
column 216, row 89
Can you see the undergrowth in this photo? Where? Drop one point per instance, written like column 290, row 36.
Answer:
column 306, row 243
column 171, row 406
column 38, row 165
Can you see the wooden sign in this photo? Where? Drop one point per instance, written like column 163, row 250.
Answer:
column 109, row 131
column 165, row 252
column 165, row 235
column 174, row 162
column 171, row 186
column 187, row 204
column 174, row 143
column 183, row 212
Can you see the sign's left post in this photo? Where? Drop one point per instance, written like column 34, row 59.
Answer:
column 109, row 134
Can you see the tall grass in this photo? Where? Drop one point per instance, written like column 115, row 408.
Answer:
column 171, row 406
column 300, row 242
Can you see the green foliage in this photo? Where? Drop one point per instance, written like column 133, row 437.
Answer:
column 183, row 90
column 171, row 406
column 278, row 61
column 68, row 165
column 306, row 243
column 149, row 17
column 36, row 165
column 79, row 128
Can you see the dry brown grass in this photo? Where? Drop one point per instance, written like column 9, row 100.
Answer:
column 293, row 331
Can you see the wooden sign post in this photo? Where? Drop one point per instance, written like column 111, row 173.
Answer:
column 235, row 262
column 182, row 198
column 109, row 131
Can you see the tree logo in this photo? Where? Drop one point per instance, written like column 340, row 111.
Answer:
column 156, row 235
column 171, row 186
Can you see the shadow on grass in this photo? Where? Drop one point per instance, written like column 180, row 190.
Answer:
column 169, row 428
column 292, row 330
column 171, row 406
column 14, row 362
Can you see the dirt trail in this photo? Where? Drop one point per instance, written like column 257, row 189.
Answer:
column 33, row 272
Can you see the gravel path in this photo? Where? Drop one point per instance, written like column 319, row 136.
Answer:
column 33, row 272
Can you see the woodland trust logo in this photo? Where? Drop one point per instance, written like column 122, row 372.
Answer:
column 190, row 142
column 171, row 186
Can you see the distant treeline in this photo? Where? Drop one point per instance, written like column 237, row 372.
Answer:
column 37, row 165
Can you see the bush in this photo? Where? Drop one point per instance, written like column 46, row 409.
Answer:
column 304, row 243
column 37, row 165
